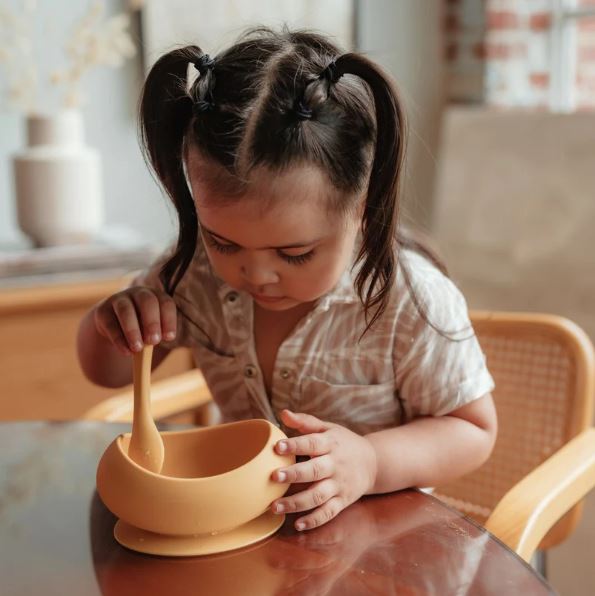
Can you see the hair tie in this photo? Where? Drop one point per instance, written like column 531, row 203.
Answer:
column 204, row 64
column 303, row 112
column 201, row 106
column 331, row 73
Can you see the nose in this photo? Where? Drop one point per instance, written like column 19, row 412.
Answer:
column 258, row 269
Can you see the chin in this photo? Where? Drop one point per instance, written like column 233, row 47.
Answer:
column 285, row 304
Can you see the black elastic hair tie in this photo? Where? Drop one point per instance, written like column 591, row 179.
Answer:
column 331, row 73
column 204, row 64
column 202, row 106
column 303, row 112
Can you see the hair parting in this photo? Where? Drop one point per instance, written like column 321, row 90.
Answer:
column 272, row 100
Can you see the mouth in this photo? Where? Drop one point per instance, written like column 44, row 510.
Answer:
column 268, row 299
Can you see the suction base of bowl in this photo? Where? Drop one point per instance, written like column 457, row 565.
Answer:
column 150, row 543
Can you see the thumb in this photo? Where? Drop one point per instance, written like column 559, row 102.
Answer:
column 304, row 423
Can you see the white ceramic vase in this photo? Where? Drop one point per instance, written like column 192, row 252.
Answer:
column 58, row 182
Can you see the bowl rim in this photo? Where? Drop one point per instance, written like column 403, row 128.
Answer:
column 254, row 421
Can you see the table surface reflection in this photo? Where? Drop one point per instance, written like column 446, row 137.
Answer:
column 56, row 538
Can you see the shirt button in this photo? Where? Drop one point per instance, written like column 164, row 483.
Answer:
column 231, row 297
column 250, row 371
column 285, row 373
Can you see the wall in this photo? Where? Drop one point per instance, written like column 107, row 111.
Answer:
column 406, row 38
column 134, row 204
column 515, row 209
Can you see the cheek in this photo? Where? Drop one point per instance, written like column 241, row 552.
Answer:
column 221, row 264
column 318, row 279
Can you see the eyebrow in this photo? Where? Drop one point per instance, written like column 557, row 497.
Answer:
column 286, row 246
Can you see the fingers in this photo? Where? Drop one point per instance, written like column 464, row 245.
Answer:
column 321, row 515
column 149, row 312
column 305, row 423
column 316, row 496
column 169, row 317
column 135, row 317
column 108, row 326
column 312, row 470
column 312, row 445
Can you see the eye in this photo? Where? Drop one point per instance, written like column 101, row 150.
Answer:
column 297, row 259
column 225, row 249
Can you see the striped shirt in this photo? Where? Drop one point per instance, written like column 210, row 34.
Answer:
column 400, row 369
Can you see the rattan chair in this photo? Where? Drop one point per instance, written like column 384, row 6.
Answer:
column 528, row 493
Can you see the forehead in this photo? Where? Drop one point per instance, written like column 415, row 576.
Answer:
column 213, row 186
column 272, row 208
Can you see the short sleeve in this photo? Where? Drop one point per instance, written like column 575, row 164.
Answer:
column 439, row 363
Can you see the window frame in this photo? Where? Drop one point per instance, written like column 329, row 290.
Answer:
column 563, row 39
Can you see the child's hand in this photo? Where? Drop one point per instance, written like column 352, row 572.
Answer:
column 136, row 316
column 342, row 468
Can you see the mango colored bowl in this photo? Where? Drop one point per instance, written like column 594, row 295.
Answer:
column 213, row 479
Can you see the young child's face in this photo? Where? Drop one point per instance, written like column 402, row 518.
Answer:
column 277, row 242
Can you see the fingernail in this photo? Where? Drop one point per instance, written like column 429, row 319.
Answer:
column 279, row 508
column 300, row 526
column 282, row 446
column 155, row 339
column 137, row 346
column 170, row 335
column 281, row 476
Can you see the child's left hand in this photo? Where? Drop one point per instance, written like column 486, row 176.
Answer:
column 342, row 468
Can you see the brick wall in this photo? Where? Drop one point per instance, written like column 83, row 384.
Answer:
column 501, row 52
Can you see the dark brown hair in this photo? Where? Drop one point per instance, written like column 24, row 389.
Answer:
column 271, row 100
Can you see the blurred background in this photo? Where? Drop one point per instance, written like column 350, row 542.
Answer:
column 500, row 96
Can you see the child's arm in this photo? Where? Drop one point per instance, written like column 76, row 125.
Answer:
column 344, row 466
column 118, row 326
column 433, row 450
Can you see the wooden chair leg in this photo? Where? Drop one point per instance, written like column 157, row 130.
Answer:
column 539, row 562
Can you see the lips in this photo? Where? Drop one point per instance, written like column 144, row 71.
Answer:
column 267, row 298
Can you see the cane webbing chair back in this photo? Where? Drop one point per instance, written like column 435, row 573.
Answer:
column 544, row 374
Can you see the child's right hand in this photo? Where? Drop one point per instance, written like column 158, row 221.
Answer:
column 135, row 317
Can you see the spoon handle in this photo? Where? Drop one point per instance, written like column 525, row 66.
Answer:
column 146, row 445
column 141, row 375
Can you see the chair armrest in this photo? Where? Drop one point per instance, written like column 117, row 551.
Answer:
column 170, row 396
column 530, row 508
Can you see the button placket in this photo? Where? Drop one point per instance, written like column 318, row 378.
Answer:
column 234, row 315
column 250, row 371
column 284, row 375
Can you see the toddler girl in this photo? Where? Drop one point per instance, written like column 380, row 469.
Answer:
column 300, row 299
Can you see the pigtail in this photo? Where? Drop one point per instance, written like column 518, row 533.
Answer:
column 166, row 109
column 375, row 278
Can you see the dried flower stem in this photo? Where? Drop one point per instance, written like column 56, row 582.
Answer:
column 94, row 41
column 17, row 56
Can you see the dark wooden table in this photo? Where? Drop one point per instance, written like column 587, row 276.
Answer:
column 56, row 538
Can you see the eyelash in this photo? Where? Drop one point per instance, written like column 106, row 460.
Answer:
column 228, row 249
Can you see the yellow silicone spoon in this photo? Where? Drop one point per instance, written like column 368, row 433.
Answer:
column 146, row 444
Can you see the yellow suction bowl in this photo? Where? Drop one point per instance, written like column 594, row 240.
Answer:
column 212, row 495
